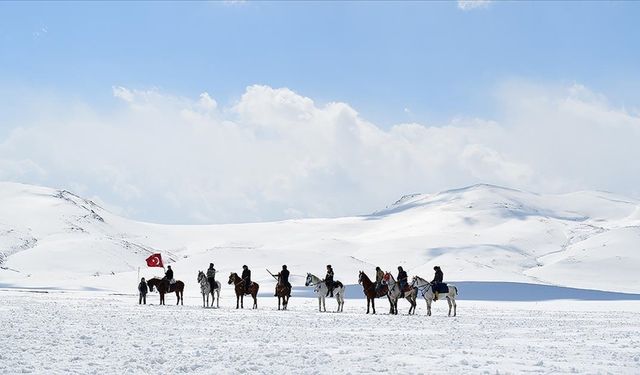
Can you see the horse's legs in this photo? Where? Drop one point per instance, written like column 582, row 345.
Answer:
column 454, row 306
column 319, row 304
column 242, row 301
column 255, row 300
column 368, row 303
column 451, row 303
column 428, row 306
column 278, row 302
column 237, row 301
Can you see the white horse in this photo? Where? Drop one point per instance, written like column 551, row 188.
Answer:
column 395, row 293
column 205, row 288
column 321, row 289
column 426, row 289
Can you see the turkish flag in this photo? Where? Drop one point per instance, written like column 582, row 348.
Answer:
column 155, row 260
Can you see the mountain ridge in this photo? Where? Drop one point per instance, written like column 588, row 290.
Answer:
column 480, row 232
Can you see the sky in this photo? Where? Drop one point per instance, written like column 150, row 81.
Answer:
column 194, row 112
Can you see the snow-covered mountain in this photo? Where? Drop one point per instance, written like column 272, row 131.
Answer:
column 55, row 239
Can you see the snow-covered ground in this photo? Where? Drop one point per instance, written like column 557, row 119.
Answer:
column 499, row 244
column 101, row 333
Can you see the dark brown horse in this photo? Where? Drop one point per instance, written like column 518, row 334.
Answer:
column 163, row 287
column 240, row 290
column 283, row 292
column 369, row 289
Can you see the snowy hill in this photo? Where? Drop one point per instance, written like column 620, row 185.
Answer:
column 55, row 239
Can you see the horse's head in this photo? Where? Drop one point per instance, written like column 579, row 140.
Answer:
column 200, row 275
column 150, row 285
column 414, row 281
column 360, row 277
column 232, row 278
column 386, row 277
column 309, row 280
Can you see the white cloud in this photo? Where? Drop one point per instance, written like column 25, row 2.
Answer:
column 277, row 154
column 467, row 5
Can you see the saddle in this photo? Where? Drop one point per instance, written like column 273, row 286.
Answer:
column 441, row 288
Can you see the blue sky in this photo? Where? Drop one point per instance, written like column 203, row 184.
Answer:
column 431, row 58
column 428, row 63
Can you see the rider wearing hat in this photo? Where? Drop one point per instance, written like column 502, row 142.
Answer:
column 328, row 279
column 379, row 277
column 211, row 277
column 437, row 280
column 283, row 279
column 169, row 274
column 246, row 277
column 402, row 278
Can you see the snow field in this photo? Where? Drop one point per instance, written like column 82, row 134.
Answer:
column 99, row 333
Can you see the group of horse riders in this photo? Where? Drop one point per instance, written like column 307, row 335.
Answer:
column 283, row 279
column 403, row 279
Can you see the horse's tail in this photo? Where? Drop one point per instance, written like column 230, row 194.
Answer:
column 455, row 290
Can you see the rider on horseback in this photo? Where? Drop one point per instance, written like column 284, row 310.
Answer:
column 437, row 280
column 211, row 277
column 283, row 279
column 328, row 279
column 246, row 277
column 379, row 277
column 168, row 275
column 402, row 279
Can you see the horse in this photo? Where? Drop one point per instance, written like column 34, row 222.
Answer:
column 283, row 292
column 240, row 290
column 163, row 287
column 370, row 291
column 205, row 289
column 426, row 289
column 321, row 290
column 395, row 293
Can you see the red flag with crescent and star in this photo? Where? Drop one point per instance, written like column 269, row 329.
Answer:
column 155, row 260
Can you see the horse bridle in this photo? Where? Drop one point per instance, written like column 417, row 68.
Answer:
column 422, row 289
column 314, row 284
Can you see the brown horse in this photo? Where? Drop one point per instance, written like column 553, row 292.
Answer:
column 369, row 289
column 283, row 292
column 240, row 290
column 164, row 287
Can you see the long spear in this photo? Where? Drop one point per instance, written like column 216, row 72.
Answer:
column 272, row 275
